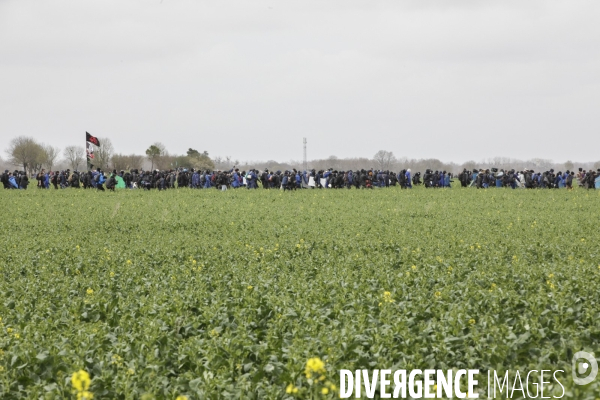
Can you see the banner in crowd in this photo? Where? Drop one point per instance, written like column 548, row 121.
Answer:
column 90, row 142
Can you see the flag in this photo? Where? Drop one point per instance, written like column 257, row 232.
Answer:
column 89, row 151
column 90, row 142
column 92, row 139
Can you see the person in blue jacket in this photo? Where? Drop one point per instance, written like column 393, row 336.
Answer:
column 12, row 181
column 305, row 178
column 349, row 179
column 285, row 180
column 408, row 179
column 251, row 179
column 235, row 182
column 326, row 175
column 195, row 180
column 100, row 179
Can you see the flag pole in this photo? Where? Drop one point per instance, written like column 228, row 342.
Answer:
column 87, row 154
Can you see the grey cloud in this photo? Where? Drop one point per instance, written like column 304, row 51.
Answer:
column 455, row 80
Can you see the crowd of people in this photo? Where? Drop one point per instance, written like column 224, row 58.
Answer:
column 530, row 179
column 295, row 179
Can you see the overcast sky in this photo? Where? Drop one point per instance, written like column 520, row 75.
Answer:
column 454, row 80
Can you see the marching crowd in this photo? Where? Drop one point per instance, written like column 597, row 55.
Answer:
column 295, row 179
column 529, row 179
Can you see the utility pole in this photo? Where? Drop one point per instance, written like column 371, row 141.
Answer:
column 305, row 163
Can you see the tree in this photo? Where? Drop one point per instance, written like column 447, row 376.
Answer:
column 203, row 163
column 25, row 151
column 50, row 156
column 569, row 165
column 193, row 153
column 200, row 160
column 385, row 159
column 152, row 153
column 469, row 165
column 540, row 164
column 103, row 153
column 182, row 162
column 3, row 164
column 122, row 162
column 155, row 152
column 74, row 156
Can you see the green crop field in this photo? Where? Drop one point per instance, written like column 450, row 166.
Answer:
column 210, row 294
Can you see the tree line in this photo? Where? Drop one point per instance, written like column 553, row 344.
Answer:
column 31, row 156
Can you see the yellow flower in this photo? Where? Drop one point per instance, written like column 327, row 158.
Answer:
column 112, row 274
column 471, row 321
column 130, row 371
column 250, row 287
column 324, row 391
column 314, row 366
column 128, row 262
column 9, row 330
column 551, row 276
column 194, row 262
column 414, row 267
column 77, row 247
column 438, row 294
column 116, row 360
column 298, row 245
column 90, row 291
column 181, row 397
column 387, row 297
column 17, row 336
column 80, row 381
column 290, row 389
column 84, row 395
